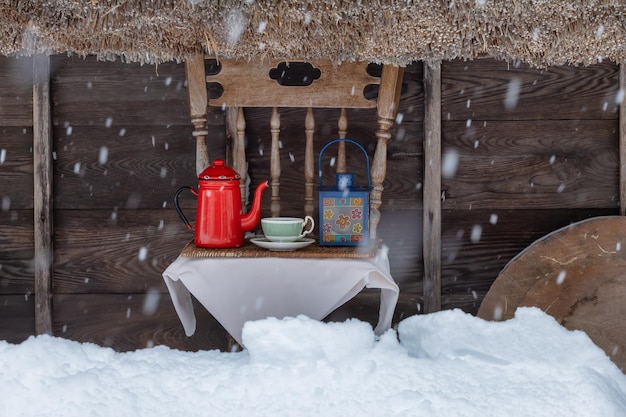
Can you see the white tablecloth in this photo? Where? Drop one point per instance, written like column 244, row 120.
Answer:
column 237, row 290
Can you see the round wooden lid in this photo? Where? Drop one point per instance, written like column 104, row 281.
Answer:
column 576, row 274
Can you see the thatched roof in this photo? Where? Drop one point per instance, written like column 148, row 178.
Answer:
column 539, row 32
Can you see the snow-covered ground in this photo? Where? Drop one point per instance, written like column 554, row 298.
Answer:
column 444, row 364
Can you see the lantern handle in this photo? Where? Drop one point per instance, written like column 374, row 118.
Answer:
column 367, row 160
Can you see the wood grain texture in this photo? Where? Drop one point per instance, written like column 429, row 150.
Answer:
column 197, row 98
column 16, row 92
column 126, row 322
column 17, row 276
column 16, row 235
column 576, row 275
column 98, row 251
column 400, row 232
column 17, row 253
column 126, row 178
column 338, row 86
column 486, row 89
column 87, row 92
column 543, row 164
column 16, row 170
column 432, row 187
column 17, row 317
column 42, row 207
column 477, row 244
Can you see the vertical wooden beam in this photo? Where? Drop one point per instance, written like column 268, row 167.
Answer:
column 42, row 177
column 432, row 186
column 387, row 107
column 275, row 163
column 622, row 141
column 309, row 163
column 198, row 101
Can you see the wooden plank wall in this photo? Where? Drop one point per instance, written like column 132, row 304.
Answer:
column 122, row 145
column 17, row 275
column 537, row 150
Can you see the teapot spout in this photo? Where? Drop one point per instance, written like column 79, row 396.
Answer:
column 250, row 220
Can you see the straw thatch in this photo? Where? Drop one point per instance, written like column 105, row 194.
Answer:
column 539, row 32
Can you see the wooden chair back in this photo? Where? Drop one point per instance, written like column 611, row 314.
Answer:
column 269, row 83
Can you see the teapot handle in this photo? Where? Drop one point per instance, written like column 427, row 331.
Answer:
column 178, row 209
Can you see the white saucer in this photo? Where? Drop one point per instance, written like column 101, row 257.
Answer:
column 281, row 246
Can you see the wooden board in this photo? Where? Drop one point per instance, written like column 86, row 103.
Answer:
column 478, row 89
column 96, row 253
column 115, row 95
column 16, row 91
column 248, row 84
column 42, row 205
column 17, row 317
column 141, row 169
column 133, row 321
column 16, row 168
column 576, row 274
column 539, row 164
column 432, row 187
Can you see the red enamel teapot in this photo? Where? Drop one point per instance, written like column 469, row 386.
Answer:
column 219, row 219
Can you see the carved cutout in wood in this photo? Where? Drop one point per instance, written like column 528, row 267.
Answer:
column 295, row 74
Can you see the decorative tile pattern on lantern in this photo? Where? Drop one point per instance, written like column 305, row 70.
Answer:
column 344, row 208
column 344, row 216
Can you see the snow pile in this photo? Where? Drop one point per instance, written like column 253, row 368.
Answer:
column 445, row 364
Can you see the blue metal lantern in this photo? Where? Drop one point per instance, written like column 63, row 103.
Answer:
column 344, row 207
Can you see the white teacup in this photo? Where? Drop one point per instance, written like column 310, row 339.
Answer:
column 286, row 229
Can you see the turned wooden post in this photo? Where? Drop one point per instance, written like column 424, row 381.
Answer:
column 239, row 150
column 309, row 163
column 387, row 107
column 343, row 131
column 622, row 141
column 275, row 163
column 198, row 101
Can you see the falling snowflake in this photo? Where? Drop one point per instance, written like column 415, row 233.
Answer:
column 104, row 155
column 512, row 93
column 450, row 163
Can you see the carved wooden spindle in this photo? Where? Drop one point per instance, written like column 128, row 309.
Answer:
column 198, row 101
column 275, row 163
column 622, row 142
column 202, row 151
column 343, row 131
column 239, row 150
column 388, row 100
column 309, row 163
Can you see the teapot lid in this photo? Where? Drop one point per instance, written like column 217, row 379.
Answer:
column 219, row 171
